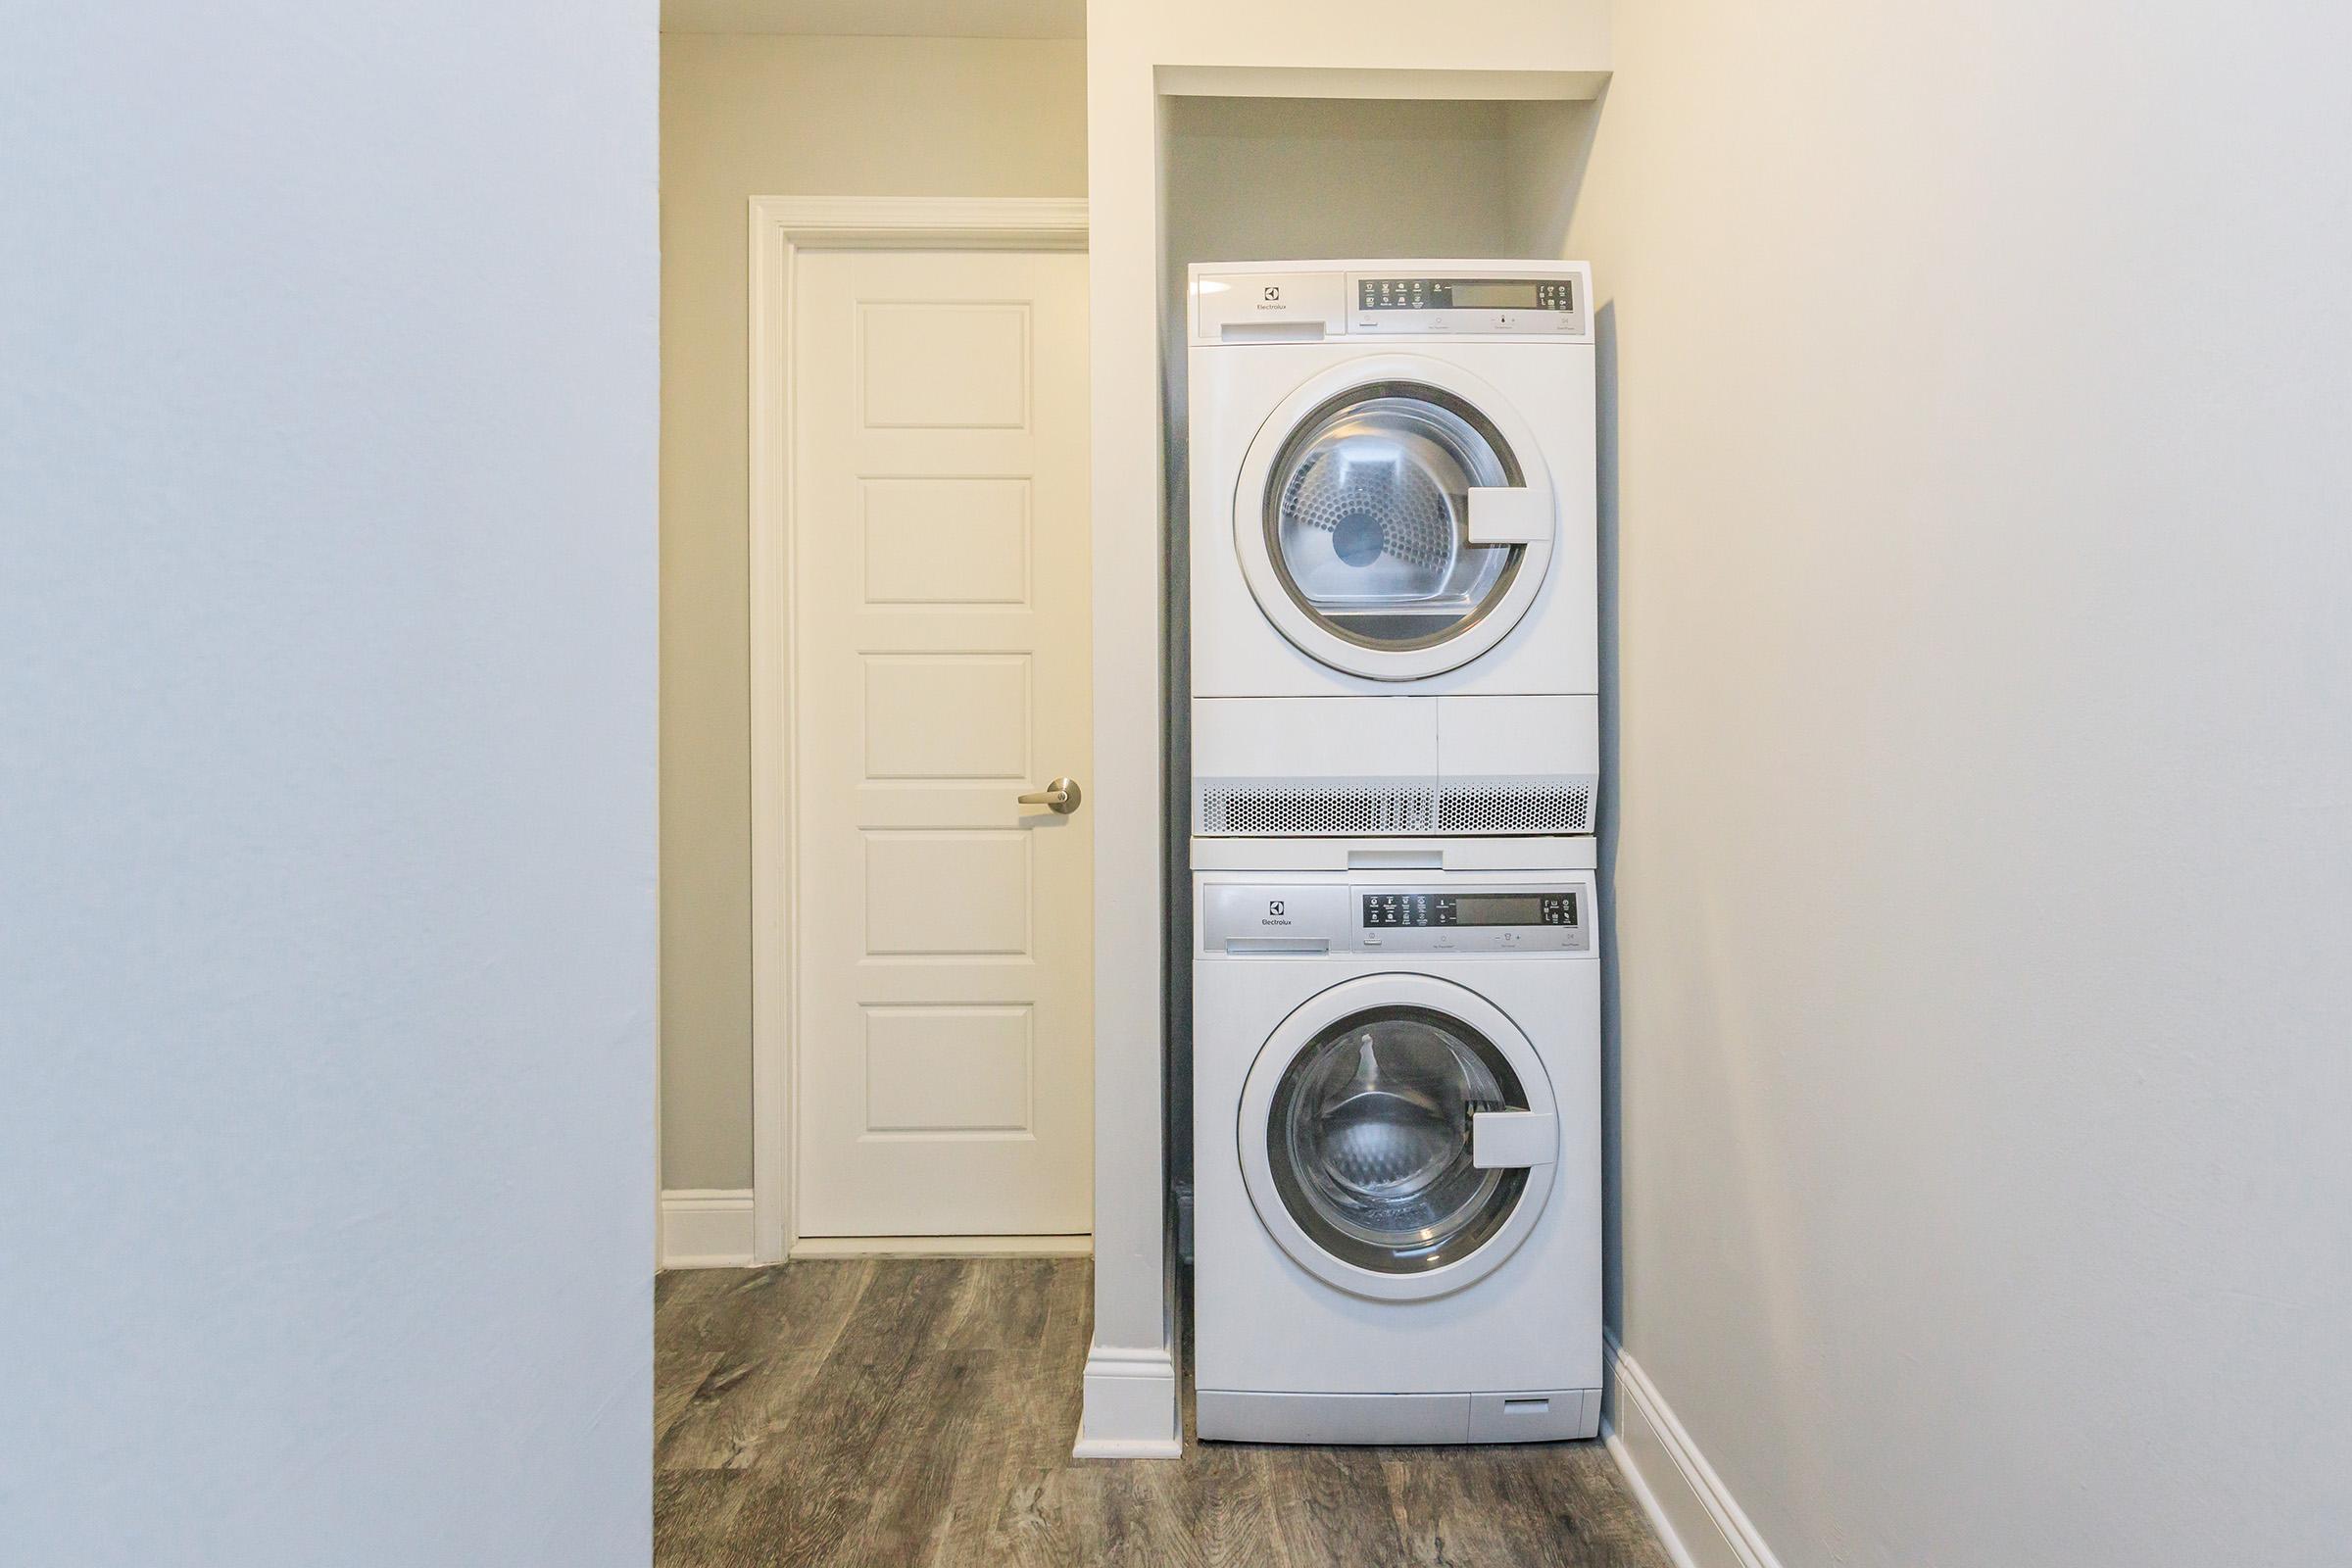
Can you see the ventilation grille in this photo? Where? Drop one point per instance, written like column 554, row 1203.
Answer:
column 1516, row 804
column 1288, row 807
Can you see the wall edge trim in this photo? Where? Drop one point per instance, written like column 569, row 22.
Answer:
column 1130, row 1399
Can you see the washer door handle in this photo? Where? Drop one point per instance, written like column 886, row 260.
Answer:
column 1503, row 1140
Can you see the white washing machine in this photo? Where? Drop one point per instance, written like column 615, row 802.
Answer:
column 1396, row 1156
column 1393, row 616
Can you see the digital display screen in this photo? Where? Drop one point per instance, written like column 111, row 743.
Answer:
column 1498, row 908
column 1494, row 296
column 1413, row 910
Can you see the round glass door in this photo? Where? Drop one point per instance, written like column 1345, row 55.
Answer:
column 1369, row 1140
column 1367, row 511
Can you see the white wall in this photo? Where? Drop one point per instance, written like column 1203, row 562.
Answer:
column 1980, row 483
column 771, row 116
column 326, row 821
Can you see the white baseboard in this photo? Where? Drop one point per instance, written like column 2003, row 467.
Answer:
column 1129, row 1405
column 707, row 1227
column 944, row 1246
column 1698, row 1520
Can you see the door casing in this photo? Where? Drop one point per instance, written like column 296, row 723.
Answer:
column 781, row 227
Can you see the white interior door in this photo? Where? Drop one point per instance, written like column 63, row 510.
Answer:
column 941, row 670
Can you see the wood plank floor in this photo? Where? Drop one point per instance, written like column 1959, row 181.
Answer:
column 918, row 1414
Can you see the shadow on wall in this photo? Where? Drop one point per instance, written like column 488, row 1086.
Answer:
column 1176, row 815
column 1550, row 146
column 1612, row 1031
column 1286, row 179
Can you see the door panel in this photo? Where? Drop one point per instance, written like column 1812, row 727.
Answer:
column 958, row 542
column 943, row 980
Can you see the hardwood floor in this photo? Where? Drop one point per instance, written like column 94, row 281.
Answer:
column 918, row 1414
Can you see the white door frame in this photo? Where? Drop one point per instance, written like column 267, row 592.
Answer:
column 781, row 227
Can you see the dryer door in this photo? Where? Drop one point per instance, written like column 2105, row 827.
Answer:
column 1398, row 1136
column 1394, row 517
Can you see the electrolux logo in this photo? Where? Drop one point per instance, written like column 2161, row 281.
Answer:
column 1269, row 298
column 1274, row 907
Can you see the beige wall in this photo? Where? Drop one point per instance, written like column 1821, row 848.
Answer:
column 745, row 116
column 1975, row 483
column 1291, row 179
column 1251, row 179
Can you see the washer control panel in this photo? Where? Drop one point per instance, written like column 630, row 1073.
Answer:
column 1371, row 918
column 1421, row 910
column 1415, row 919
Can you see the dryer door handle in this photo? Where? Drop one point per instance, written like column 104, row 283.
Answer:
column 1509, row 515
column 1502, row 1140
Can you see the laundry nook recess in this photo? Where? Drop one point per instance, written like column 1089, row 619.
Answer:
column 1396, row 778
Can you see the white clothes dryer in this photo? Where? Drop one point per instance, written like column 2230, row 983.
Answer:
column 1392, row 473
column 1397, row 1157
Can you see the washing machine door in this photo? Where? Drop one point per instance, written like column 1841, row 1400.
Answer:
column 1398, row 1135
column 1395, row 517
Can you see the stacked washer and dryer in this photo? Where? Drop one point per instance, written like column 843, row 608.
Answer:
column 1395, row 767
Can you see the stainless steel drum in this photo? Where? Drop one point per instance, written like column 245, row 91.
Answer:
column 1369, row 1138
column 1366, row 515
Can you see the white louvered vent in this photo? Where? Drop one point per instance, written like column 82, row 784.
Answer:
column 1516, row 804
column 1291, row 807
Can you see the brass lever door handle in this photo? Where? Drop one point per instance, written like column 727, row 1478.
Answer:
column 1062, row 796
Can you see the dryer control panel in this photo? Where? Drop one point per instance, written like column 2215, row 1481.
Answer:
column 1371, row 918
column 1439, row 304
column 1234, row 303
